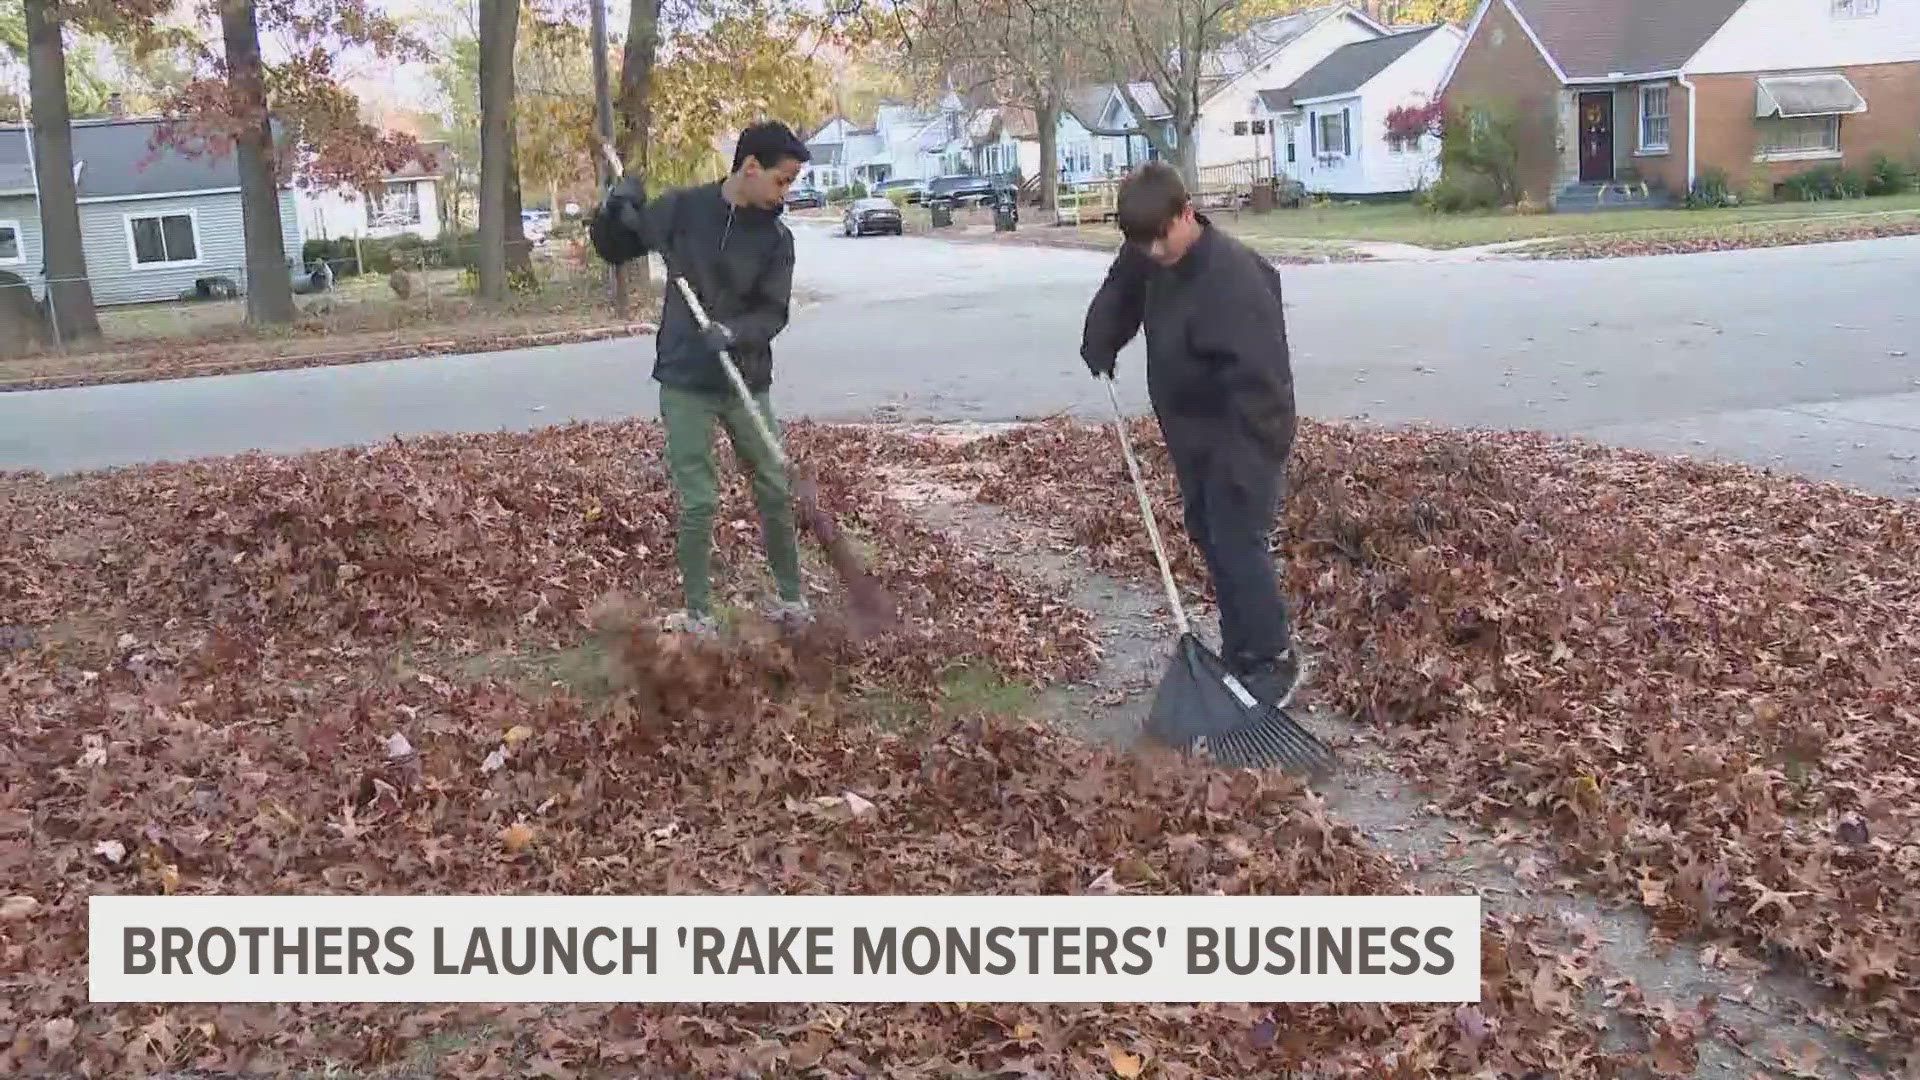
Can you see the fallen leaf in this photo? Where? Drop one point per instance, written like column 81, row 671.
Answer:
column 59, row 1033
column 18, row 908
column 398, row 747
column 516, row 837
column 1125, row 1065
column 111, row 850
column 518, row 734
column 494, row 761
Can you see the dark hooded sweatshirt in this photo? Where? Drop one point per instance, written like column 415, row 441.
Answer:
column 1218, row 370
column 739, row 261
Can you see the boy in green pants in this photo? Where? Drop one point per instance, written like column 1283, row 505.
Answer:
column 727, row 240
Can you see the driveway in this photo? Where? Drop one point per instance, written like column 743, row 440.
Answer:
column 1803, row 358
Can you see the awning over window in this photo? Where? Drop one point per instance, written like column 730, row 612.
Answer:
column 1808, row 95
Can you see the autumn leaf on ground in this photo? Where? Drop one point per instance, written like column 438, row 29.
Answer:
column 1125, row 1065
column 516, row 837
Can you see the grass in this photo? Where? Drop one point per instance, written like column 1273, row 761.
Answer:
column 1408, row 224
column 361, row 319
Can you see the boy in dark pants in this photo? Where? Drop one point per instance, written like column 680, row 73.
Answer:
column 726, row 238
column 1221, row 383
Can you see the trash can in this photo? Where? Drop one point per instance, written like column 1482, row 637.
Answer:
column 1006, row 212
column 1264, row 196
column 942, row 215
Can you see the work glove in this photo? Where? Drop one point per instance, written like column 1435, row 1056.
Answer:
column 1102, row 364
column 717, row 337
column 618, row 228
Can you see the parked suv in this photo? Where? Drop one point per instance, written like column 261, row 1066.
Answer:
column 915, row 189
column 952, row 191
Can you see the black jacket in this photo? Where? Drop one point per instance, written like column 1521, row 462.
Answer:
column 739, row 261
column 1218, row 370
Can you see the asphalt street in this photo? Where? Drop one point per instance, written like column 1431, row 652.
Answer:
column 1806, row 359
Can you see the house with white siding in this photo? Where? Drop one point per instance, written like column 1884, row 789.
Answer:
column 406, row 203
column 1329, row 126
column 1233, row 125
column 153, row 221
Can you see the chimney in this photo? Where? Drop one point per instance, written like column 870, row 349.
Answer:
column 116, row 105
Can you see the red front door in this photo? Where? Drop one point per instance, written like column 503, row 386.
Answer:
column 1596, row 137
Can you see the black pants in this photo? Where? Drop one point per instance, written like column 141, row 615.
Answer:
column 1232, row 497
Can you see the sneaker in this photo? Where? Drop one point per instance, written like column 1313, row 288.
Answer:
column 686, row 622
column 790, row 613
column 1274, row 681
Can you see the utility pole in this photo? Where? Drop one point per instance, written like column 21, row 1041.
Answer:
column 603, row 128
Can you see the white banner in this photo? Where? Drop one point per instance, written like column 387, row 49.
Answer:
column 1174, row 949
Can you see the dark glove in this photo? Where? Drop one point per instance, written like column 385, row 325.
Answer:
column 717, row 337
column 618, row 227
column 1102, row 364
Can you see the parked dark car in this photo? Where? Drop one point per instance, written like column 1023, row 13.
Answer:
column 915, row 189
column 872, row 216
column 952, row 191
column 799, row 198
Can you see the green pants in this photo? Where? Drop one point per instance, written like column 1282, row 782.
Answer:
column 689, row 418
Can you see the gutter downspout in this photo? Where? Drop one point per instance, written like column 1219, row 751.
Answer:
column 1693, row 127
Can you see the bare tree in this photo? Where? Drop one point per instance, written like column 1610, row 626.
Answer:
column 68, row 289
column 634, row 105
column 1025, row 51
column 1164, row 44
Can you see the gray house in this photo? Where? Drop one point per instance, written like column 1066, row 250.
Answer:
column 151, row 228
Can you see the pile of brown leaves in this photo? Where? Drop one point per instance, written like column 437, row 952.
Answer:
column 1695, row 682
column 259, row 676
column 1755, row 235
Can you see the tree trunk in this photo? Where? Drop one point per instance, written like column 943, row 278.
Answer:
column 1048, row 117
column 69, row 291
column 498, row 21
column 269, row 278
column 636, row 85
column 519, row 252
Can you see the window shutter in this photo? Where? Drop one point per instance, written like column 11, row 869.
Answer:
column 1346, row 131
column 1313, row 134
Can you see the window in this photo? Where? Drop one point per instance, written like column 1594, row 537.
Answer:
column 158, row 240
column 1800, row 136
column 1655, row 122
column 1855, row 9
column 397, row 204
column 10, row 245
column 1333, row 133
column 1239, row 127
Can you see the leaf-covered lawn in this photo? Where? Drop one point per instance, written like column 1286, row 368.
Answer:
column 1409, row 224
column 295, row 676
column 1696, row 684
column 1693, row 241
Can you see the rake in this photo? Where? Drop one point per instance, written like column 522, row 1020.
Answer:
column 872, row 609
column 1200, row 704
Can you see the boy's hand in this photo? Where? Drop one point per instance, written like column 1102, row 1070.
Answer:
column 1102, row 364
column 717, row 337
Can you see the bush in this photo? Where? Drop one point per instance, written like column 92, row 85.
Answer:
column 1462, row 193
column 1711, row 189
column 1479, row 161
column 1889, row 177
column 1823, row 182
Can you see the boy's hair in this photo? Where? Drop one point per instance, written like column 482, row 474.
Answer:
column 769, row 142
column 1148, row 202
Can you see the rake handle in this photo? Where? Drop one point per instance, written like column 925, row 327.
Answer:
column 733, row 375
column 1146, row 511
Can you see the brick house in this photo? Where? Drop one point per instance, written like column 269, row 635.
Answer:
column 1661, row 90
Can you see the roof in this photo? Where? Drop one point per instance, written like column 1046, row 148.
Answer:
column 1597, row 39
column 1261, row 40
column 1347, row 68
column 112, row 155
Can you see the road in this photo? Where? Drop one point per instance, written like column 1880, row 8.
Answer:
column 1806, row 359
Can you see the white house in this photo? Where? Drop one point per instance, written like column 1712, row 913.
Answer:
column 1233, row 125
column 1329, row 126
column 408, row 203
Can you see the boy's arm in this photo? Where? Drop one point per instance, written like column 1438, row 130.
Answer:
column 1113, row 318
column 772, row 299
